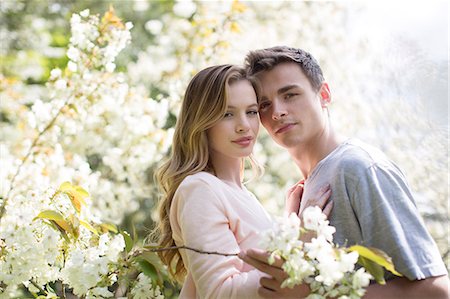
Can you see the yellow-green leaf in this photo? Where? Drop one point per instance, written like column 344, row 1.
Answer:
column 81, row 191
column 373, row 268
column 377, row 256
column 56, row 217
column 109, row 227
column 89, row 227
column 65, row 186
column 49, row 214
column 76, row 194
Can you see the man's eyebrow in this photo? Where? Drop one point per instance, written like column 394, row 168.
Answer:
column 287, row 88
column 281, row 90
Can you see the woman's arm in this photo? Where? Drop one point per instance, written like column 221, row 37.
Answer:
column 204, row 224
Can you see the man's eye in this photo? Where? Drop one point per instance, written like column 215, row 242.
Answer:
column 289, row 96
column 263, row 106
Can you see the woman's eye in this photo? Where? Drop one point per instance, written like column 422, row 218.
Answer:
column 252, row 112
column 228, row 114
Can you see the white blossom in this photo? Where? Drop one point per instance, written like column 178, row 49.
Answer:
column 326, row 268
column 143, row 289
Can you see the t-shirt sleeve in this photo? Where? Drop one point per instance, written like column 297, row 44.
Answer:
column 204, row 224
column 390, row 221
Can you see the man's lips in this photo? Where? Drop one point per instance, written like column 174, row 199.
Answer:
column 284, row 128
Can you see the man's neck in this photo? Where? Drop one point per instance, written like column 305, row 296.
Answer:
column 306, row 156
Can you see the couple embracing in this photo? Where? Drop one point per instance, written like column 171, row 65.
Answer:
column 205, row 204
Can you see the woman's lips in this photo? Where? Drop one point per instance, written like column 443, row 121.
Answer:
column 244, row 141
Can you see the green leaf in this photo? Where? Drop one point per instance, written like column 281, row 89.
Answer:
column 153, row 259
column 369, row 255
column 148, row 269
column 128, row 241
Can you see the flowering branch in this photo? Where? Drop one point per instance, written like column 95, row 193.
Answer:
column 29, row 153
column 158, row 249
column 38, row 287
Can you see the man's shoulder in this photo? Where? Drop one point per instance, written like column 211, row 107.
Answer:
column 354, row 155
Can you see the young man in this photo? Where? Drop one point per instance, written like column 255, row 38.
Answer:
column 373, row 205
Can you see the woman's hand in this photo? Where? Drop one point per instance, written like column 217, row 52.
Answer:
column 320, row 199
column 293, row 198
column 271, row 286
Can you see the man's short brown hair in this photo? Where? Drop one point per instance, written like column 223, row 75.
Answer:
column 258, row 61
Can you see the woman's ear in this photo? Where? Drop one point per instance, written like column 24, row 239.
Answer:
column 325, row 94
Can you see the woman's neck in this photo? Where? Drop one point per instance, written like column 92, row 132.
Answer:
column 228, row 170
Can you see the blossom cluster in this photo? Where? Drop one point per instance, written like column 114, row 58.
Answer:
column 329, row 270
column 144, row 289
column 88, row 127
column 101, row 133
column 48, row 238
column 94, row 46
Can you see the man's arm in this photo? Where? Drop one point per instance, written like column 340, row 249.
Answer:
column 430, row 288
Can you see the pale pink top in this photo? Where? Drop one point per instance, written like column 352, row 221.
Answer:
column 210, row 215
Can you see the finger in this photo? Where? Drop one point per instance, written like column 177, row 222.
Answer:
column 295, row 186
column 263, row 256
column 257, row 254
column 275, row 272
column 271, row 283
column 293, row 200
column 323, row 199
column 328, row 208
column 297, row 191
column 319, row 199
column 266, row 293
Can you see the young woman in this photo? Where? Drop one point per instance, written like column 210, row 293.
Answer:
column 204, row 202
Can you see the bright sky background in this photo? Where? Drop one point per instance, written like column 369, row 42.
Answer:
column 423, row 22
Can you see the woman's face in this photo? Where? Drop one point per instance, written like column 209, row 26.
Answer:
column 235, row 134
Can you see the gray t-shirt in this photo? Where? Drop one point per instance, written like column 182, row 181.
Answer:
column 374, row 207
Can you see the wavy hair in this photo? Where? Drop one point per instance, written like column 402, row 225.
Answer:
column 204, row 104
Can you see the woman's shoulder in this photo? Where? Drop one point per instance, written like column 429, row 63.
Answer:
column 195, row 188
column 201, row 181
column 200, row 178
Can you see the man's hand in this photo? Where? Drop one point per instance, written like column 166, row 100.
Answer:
column 271, row 286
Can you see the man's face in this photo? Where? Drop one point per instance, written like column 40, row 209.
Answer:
column 290, row 109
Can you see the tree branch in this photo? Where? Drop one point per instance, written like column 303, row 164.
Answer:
column 184, row 247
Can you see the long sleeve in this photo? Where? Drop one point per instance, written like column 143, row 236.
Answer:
column 202, row 219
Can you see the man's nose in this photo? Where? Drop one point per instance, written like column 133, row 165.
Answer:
column 278, row 110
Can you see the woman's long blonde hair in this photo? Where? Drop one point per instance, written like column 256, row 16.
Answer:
column 204, row 104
